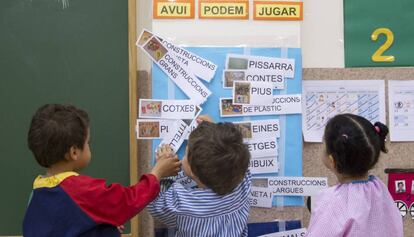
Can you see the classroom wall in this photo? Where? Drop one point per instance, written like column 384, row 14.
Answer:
column 320, row 34
column 321, row 37
column 400, row 153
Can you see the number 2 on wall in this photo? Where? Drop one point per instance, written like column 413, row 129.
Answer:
column 377, row 56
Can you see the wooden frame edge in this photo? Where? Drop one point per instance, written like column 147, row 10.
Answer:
column 132, row 78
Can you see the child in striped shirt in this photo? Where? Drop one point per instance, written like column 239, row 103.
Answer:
column 217, row 160
column 360, row 205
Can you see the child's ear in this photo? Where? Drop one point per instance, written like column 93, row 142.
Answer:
column 72, row 154
column 331, row 162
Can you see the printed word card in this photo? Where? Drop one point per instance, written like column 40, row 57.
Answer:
column 267, row 64
column 176, row 137
column 173, row 67
column 167, row 109
column 297, row 186
column 256, row 129
column 290, row 233
column 276, row 78
column 260, row 197
column 264, row 165
column 153, row 129
column 199, row 66
column 262, row 147
column 282, row 104
column 252, row 93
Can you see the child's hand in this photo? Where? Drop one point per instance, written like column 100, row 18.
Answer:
column 164, row 151
column 121, row 228
column 166, row 165
column 203, row 118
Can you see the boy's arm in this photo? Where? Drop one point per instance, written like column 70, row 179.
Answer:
column 113, row 204
column 165, row 207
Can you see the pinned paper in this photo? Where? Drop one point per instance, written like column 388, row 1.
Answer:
column 282, row 104
column 297, row 186
column 259, row 63
column 173, row 67
column 167, row 109
column 177, row 9
column 180, row 131
column 259, row 128
column 262, row 147
column 264, row 165
column 290, row 233
column 276, row 77
column 199, row 66
column 325, row 99
column 277, row 11
column 223, row 9
column 176, row 137
column 401, row 110
column 260, row 197
column 153, row 129
column 252, row 93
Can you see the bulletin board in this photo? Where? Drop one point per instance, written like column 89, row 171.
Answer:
column 290, row 146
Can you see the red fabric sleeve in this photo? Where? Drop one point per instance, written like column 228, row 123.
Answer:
column 113, row 204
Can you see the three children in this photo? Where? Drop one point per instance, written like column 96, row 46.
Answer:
column 65, row 203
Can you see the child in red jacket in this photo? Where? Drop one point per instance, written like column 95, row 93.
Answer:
column 67, row 204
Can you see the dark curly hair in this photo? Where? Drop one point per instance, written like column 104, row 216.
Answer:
column 218, row 156
column 54, row 129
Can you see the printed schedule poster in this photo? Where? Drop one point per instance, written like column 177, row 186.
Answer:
column 378, row 33
column 289, row 136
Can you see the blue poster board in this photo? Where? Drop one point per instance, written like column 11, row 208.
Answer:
column 290, row 141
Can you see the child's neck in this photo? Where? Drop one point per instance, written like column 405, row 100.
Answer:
column 58, row 168
column 343, row 178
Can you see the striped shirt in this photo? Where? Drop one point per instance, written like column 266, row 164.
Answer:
column 201, row 212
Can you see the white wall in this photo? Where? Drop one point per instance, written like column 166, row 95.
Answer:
column 320, row 34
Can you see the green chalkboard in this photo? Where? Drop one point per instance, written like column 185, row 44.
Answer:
column 378, row 33
column 61, row 51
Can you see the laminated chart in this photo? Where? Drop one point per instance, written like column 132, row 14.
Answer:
column 323, row 100
column 401, row 110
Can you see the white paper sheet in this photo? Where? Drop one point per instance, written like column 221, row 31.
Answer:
column 401, row 110
column 282, row 104
column 262, row 147
column 264, row 165
column 174, row 68
column 256, row 129
column 175, row 138
column 267, row 64
column 290, row 233
column 152, row 128
column 194, row 63
column 252, row 93
column 260, row 197
column 167, row 109
column 230, row 75
column 297, row 186
column 323, row 100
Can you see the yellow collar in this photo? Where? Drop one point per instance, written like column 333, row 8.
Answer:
column 52, row 181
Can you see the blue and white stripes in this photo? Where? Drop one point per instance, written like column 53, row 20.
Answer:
column 201, row 212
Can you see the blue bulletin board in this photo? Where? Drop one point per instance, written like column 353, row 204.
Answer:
column 290, row 141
